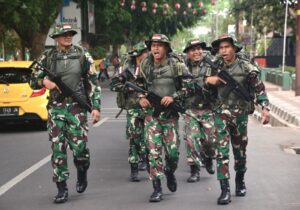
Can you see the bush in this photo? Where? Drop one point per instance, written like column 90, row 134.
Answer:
column 98, row 52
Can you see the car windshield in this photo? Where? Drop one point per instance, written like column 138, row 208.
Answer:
column 14, row 75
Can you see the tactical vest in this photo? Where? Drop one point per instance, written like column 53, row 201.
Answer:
column 196, row 100
column 128, row 99
column 239, row 71
column 69, row 67
column 161, row 80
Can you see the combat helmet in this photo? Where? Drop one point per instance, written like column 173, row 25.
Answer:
column 62, row 28
column 194, row 42
column 159, row 38
column 216, row 44
column 138, row 49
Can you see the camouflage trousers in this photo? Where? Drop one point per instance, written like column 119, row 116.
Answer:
column 199, row 135
column 162, row 133
column 135, row 134
column 231, row 126
column 67, row 126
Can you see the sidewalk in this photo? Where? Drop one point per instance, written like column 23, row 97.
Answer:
column 285, row 106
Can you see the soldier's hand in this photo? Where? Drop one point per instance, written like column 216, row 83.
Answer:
column 214, row 80
column 265, row 116
column 166, row 101
column 95, row 115
column 144, row 103
column 50, row 85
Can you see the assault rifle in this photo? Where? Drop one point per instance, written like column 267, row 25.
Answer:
column 155, row 100
column 231, row 83
column 66, row 91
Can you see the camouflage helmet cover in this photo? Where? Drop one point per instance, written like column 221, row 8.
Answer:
column 194, row 42
column 138, row 49
column 159, row 38
column 62, row 28
column 216, row 44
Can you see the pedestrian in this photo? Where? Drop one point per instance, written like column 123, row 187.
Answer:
column 199, row 126
column 231, row 112
column 67, row 121
column 161, row 73
column 116, row 64
column 103, row 70
column 127, row 99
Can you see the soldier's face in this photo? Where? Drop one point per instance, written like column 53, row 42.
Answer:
column 159, row 50
column 64, row 40
column 195, row 53
column 227, row 51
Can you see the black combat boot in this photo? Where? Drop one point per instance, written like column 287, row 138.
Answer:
column 209, row 166
column 81, row 181
column 62, row 195
column 143, row 163
column 134, row 172
column 157, row 194
column 195, row 174
column 240, row 187
column 225, row 197
column 171, row 181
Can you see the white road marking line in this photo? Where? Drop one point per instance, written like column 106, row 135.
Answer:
column 4, row 188
column 23, row 175
column 100, row 122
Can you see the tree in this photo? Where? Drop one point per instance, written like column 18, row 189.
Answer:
column 266, row 13
column 31, row 19
column 117, row 24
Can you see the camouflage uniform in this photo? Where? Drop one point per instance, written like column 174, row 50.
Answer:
column 231, row 118
column 67, row 121
column 199, row 127
column 162, row 130
column 135, row 116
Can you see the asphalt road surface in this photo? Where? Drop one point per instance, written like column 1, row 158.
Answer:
column 272, row 178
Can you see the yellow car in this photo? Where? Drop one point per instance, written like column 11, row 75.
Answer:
column 18, row 102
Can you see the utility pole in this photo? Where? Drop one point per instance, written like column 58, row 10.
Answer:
column 297, row 83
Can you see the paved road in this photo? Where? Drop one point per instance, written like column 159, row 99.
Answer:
column 272, row 178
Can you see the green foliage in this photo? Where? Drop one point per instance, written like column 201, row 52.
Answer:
column 266, row 13
column 260, row 46
column 97, row 52
column 119, row 25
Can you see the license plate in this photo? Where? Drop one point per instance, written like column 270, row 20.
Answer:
column 9, row 111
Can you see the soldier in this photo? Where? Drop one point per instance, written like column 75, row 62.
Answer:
column 67, row 121
column 135, row 116
column 161, row 74
column 231, row 112
column 199, row 126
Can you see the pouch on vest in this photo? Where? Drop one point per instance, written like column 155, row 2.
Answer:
column 121, row 100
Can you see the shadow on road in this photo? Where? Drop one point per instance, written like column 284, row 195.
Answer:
column 22, row 127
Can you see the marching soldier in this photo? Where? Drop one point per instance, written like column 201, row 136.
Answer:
column 161, row 73
column 199, row 126
column 67, row 121
column 232, row 110
column 135, row 117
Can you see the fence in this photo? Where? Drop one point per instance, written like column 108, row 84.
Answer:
column 275, row 76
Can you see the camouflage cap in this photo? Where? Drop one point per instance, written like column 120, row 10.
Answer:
column 194, row 42
column 62, row 28
column 138, row 49
column 215, row 44
column 159, row 38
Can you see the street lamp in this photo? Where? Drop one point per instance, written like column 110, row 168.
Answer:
column 265, row 39
column 284, row 36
